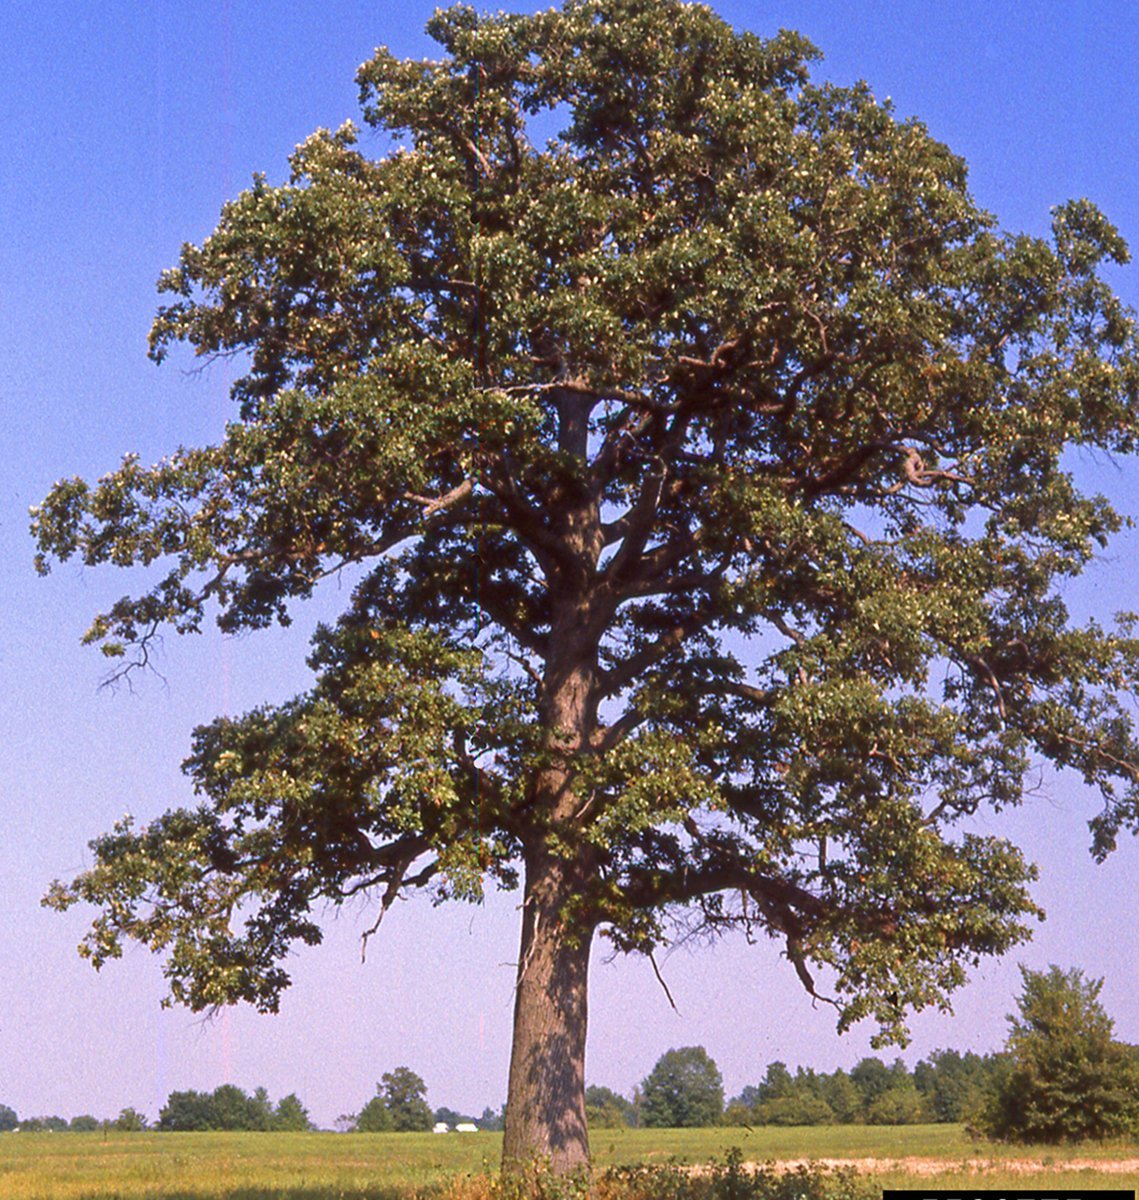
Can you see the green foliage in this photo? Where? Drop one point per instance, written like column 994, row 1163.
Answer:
column 801, row 1108
column 492, row 1121
column 187, row 1111
column 841, row 1096
column 946, row 1087
column 229, row 1107
column 705, row 473
column 84, row 1123
column 233, row 1109
column 8, row 1118
column 405, row 1098
column 684, row 1088
column 374, row 1116
column 605, row 1109
column 777, row 1083
column 900, row 1104
column 42, row 1125
column 290, row 1116
column 785, row 1099
column 872, row 1078
column 129, row 1121
column 399, row 1105
column 539, row 1182
column 733, row 1179
column 1064, row 1077
column 452, row 1117
column 954, row 1083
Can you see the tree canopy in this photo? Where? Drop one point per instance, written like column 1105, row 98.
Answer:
column 703, row 472
column 605, row 1109
column 1065, row 1077
column 405, row 1096
column 399, row 1105
column 230, row 1107
column 684, row 1088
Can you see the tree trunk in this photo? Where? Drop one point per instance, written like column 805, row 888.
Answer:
column 545, row 1103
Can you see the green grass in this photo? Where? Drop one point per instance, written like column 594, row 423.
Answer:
column 234, row 1166
column 770, row 1141
column 219, row 1166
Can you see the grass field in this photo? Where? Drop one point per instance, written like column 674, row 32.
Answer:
column 218, row 1166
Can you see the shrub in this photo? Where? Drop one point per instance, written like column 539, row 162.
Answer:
column 605, row 1109
column 1064, row 1077
column 733, row 1179
column 902, row 1104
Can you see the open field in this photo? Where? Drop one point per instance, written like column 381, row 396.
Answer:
column 322, row 1166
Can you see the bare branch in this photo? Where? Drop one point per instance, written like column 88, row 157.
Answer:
column 795, row 955
column 608, row 738
column 660, row 980
column 432, row 505
column 616, row 679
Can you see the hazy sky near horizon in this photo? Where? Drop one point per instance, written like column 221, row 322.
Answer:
column 124, row 126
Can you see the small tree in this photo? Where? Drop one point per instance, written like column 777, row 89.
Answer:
column 1065, row 1077
column 683, row 1089
column 374, row 1117
column 259, row 1110
column 232, row 1108
column 187, row 1112
column 841, row 1095
column 290, row 1116
column 783, row 1099
column 605, row 1109
column 405, row 1097
column 954, row 1084
column 899, row 1104
column 777, row 1082
column 130, row 1120
column 872, row 1078
column 8, row 1118
column 493, row 1120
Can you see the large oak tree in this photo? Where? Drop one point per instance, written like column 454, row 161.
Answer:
column 700, row 447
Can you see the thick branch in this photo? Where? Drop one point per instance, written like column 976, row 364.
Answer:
column 654, row 889
column 613, row 681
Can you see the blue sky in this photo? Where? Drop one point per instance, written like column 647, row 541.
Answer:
column 123, row 128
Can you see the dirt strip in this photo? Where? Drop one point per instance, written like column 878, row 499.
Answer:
column 937, row 1166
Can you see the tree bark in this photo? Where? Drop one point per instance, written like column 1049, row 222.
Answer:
column 545, row 1100
column 545, row 1105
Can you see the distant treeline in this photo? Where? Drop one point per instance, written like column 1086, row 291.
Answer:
column 399, row 1105
column 226, row 1107
column 947, row 1087
column 128, row 1121
column 684, row 1088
